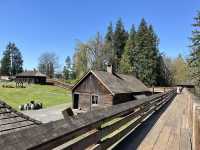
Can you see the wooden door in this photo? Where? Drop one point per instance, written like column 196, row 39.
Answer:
column 76, row 101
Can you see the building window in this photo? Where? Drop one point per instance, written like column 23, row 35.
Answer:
column 94, row 99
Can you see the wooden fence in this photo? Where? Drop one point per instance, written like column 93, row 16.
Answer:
column 99, row 129
column 194, row 120
column 59, row 83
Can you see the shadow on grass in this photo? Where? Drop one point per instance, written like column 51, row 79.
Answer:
column 133, row 140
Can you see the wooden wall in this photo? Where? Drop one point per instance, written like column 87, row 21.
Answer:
column 31, row 79
column 91, row 86
column 123, row 97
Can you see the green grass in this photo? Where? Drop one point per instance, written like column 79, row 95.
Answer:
column 47, row 94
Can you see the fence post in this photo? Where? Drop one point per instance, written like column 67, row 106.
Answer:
column 152, row 90
column 196, row 127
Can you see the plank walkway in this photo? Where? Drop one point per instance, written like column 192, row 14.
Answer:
column 172, row 130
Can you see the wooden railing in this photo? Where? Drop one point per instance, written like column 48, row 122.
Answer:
column 59, row 83
column 99, row 129
column 194, row 119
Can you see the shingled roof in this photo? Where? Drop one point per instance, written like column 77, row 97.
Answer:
column 117, row 83
column 12, row 120
column 31, row 74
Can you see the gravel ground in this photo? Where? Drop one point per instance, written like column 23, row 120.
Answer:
column 47, row 114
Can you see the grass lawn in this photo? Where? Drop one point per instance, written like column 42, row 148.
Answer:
column 47, row 94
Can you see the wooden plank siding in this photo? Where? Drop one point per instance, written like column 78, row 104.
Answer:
column 111, row 89
column 92, row 86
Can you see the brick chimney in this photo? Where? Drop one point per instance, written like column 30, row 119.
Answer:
column 109, row 68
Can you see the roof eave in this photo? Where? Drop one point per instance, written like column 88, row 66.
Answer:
column 77, row 83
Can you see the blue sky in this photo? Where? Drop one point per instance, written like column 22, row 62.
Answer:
column 37, row 26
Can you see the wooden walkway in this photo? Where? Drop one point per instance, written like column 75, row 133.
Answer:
column 172, row 130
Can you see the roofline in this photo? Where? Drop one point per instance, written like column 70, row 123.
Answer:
column 22, row 74
column 103, row 83
column 74, row 86
column 77, row 83
column 30, row 76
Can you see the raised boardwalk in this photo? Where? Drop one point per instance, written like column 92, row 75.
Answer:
column 172, row 130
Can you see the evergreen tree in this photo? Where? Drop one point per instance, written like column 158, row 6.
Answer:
column 66, row 73
column 120, row 37
column 12, row 62
column 6, row 63
column 164, row 75
column 67, row 68
column 194, row 60
column 127, row 61
column 108, row 48
column 109, row 34
column 146, row 54
column 154, row 58
column 140, row 45
column 73, row 72
column 17, row 62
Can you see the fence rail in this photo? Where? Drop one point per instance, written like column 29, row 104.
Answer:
column 194, row 119
column 99, row 129
column 58, row 83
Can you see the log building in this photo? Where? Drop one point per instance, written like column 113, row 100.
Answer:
column 97, row 89
column 31, row 77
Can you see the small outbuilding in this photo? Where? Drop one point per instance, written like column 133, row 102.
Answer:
column 186, row 84
column 31, row 77
column 97, row 89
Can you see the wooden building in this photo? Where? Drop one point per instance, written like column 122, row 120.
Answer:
column 186, row 84
column 99, row 89
column 31, row 77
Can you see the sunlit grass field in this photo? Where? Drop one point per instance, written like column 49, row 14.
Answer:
column 47, row 94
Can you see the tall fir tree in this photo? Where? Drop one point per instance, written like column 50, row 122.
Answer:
column 146, row 54
column 17, row 62
column 194, row 60
column 108, row 49
column 140, row 42
column 120, row 37
column 163, row 75
column 154, row 57
column 127, row 61
column 12, row 62
column 6, row 63
column 109, row 34
column 67, row 68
